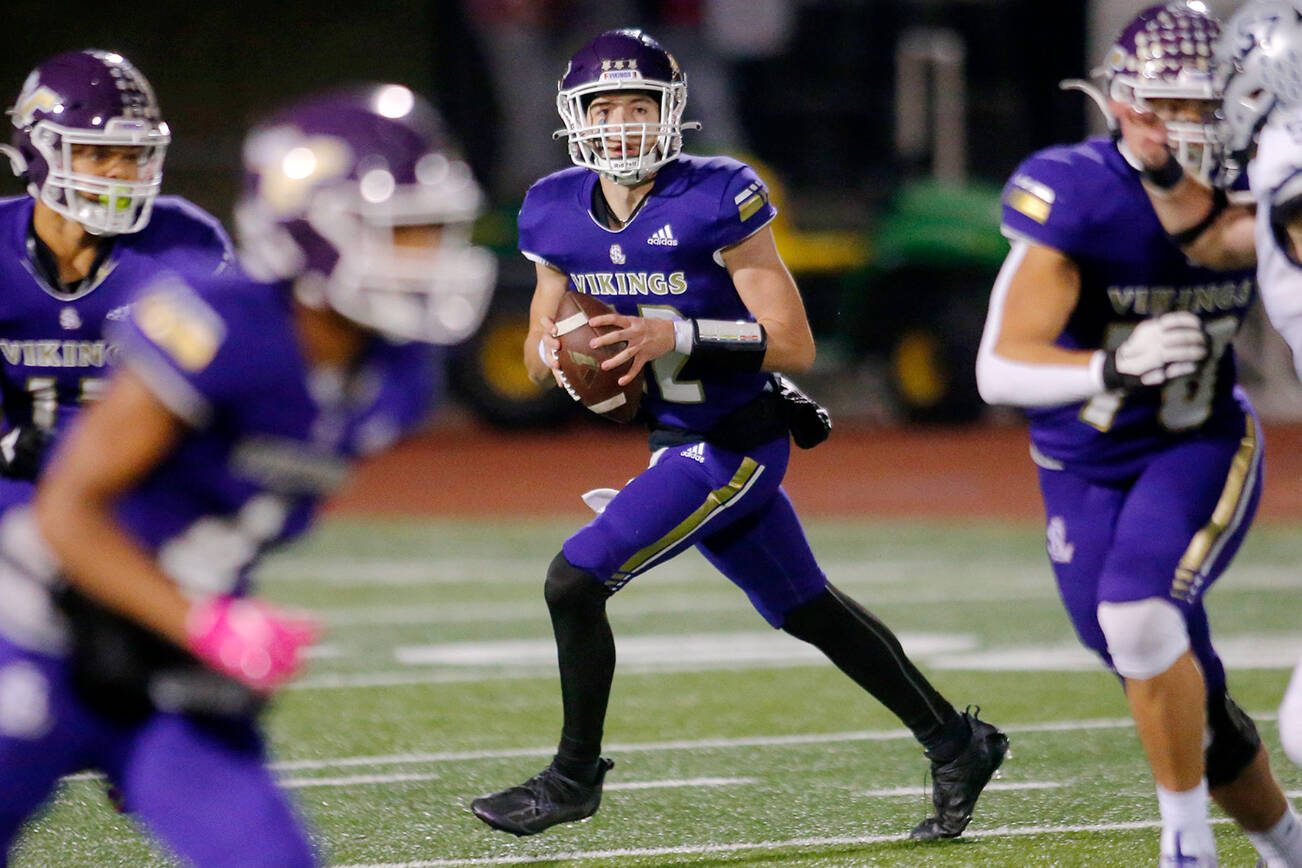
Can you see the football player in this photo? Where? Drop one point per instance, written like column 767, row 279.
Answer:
column 89, row 141
column 1258, row 67
column 128, row 639
column 681, row 246
column 1149, row 456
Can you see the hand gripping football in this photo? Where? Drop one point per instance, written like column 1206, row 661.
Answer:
column 598, row 390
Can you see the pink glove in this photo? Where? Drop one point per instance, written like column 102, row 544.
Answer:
column 249, row 640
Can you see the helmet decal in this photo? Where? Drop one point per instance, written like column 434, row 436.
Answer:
column 41, row 99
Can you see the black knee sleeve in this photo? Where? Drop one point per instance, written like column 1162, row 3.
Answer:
column 1235, row 740
column 567, row 586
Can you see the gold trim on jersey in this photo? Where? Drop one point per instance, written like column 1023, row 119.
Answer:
column 1029, row 204
column 1206, row 545
column 747, row 472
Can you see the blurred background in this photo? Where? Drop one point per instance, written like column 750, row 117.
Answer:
column 884, row 127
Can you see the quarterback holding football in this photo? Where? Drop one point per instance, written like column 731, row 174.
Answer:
column 682, row 248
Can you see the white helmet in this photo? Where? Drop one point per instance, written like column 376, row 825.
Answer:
column 1258, row 68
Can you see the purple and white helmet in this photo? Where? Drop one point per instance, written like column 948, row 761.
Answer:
column 627, row 60
column 89, row 98
column 327, row 183
column 1166, row 53
column 1258, row 69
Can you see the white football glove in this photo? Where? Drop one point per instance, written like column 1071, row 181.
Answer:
column 1159, row 349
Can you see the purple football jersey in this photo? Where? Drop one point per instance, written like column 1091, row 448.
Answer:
column 1087, row 202
column 664, row 263
column 53, row 354
column 268, row 436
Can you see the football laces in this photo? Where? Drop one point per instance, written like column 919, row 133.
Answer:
column 564, row 381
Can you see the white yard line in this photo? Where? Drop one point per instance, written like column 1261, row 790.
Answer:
column 996, row 786
column 359, row 780
column 695, row 744
column 759, row 846
column 507, row 659
column 418, row 758
column 525, row 570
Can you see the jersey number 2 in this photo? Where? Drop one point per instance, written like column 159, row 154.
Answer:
column 666, row 367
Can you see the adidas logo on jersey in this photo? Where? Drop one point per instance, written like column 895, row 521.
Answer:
column 664, row 236
column 696, row 452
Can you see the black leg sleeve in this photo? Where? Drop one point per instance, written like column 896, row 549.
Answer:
column 585, row 650
column 865, row 649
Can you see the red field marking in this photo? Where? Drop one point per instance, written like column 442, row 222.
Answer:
column 978, row 472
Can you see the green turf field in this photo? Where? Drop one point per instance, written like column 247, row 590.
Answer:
column 734, row 746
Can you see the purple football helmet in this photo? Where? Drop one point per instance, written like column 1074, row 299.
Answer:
column 330, row 182
column 92, row 98
column 1166, row 53
column 627, row 60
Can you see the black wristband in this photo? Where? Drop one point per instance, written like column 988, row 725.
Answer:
column 1165, row 176
column 1185, row 237
column 726, row 347
column 1112, row 378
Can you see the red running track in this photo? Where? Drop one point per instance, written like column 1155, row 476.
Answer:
column 980, row 472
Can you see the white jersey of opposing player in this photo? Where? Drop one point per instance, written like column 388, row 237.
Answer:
column 1275, row 175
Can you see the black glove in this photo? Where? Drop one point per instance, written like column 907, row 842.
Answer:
column 125, row 671
column 808, row 421
column 22, row 451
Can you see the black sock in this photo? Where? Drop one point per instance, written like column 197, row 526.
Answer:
column 577, row 760
column 585, row 651
column 864, row 648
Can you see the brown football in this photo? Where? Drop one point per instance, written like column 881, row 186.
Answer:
column 598, row 390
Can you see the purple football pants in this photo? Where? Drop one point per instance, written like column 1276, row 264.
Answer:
column 729, row 505
column 203, row 791
column 1167, row 533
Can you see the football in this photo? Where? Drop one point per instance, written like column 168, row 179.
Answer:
column 596, row 389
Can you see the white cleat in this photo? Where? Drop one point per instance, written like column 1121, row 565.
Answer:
column 1188, row 848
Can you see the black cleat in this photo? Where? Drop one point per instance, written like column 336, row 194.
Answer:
column 957, row 783
column 544, row 800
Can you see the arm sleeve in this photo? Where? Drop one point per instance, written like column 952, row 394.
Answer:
column 1024, row 384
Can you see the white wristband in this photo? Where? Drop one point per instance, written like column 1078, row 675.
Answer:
column 683, row 336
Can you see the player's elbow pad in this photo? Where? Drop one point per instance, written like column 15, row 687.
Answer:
column 1023, row 384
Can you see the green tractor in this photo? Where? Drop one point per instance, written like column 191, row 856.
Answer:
column 920, row 303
